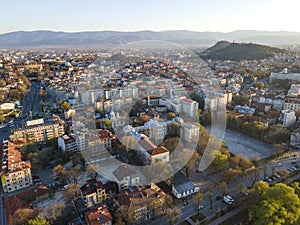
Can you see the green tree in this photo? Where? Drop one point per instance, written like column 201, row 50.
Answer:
column 279, row 205
column 260, row 188
column 38, row 221
column 220, row 160
column 108, row 124
column 65, row 106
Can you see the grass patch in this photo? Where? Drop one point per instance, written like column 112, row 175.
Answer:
column 198, row 217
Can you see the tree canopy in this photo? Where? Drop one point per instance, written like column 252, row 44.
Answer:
column 279, row 205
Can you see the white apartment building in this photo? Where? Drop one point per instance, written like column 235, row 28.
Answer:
column 276, row 102
column 284, row 76
column 189, row 107
column 67, row 143
column 81, row 140
column 126, row 176
column 189, row 132
column 287, row 118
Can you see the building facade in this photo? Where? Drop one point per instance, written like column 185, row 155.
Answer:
column 38, row 133
column 287, row 118
column 16, row 174
column 67, row 143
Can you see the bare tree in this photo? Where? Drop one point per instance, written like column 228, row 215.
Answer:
column 173, row 215
column 54, row 212
column 198, row 198
column 223, row 188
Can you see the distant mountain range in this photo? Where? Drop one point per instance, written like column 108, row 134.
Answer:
column 113, row 38
column 224, row 50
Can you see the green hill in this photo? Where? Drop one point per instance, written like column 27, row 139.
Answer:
column 224, row 50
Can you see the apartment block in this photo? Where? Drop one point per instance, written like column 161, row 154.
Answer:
column 39, row 133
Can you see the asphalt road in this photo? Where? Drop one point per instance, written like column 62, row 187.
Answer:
column 30, row 102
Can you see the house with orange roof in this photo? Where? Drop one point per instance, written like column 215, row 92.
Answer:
column 99, row 216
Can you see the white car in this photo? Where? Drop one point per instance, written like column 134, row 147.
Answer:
column 228, row 199
column 200, row 207
column 278, row 164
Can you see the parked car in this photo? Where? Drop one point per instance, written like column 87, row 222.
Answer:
column 278, row 164
column 200, row 207
column 268, row 179
column 277, row 176
column 228, row 199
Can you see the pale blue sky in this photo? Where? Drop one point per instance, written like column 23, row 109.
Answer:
column 156, row 15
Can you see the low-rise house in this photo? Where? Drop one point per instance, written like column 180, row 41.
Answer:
column 94, row 192
column 99, row 216
column 126, row 176
column 143, row 204
column 182, row 186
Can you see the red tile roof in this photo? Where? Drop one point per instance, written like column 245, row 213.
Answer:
column 100, row 215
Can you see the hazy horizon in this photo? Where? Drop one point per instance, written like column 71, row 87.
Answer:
column 208, row 31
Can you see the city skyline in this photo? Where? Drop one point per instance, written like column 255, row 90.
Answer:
column 156, row 15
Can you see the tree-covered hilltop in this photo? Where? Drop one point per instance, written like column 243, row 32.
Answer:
column 224, row 50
